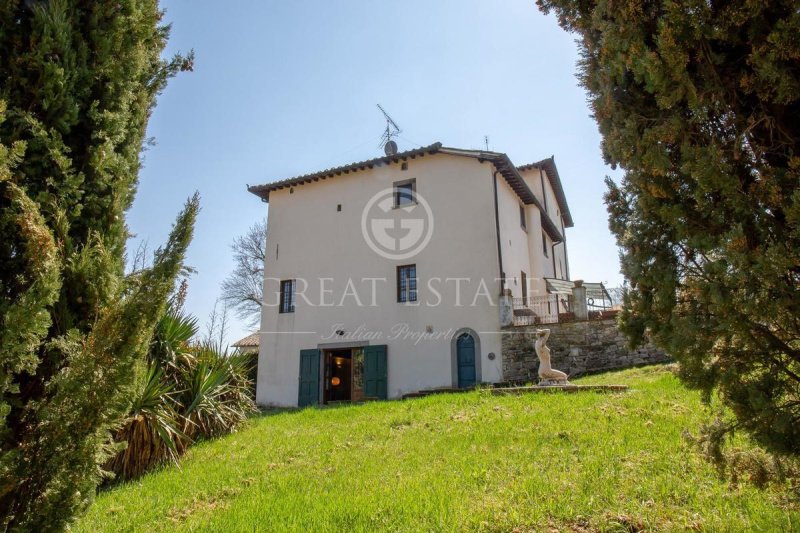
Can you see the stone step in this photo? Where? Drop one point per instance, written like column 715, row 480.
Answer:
column 521, row 389
column 429, row 392
column 560, row 388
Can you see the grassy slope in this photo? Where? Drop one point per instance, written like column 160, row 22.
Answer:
column 466, row 461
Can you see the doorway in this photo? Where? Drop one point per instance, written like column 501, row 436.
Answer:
column 343, row 374
column 465, row 360
column 338, row 375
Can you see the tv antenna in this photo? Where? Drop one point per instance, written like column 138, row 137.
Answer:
column 392, row 130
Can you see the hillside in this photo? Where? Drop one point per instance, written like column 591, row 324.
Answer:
column 581, row 462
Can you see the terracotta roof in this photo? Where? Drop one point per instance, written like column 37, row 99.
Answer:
column 263, row 191
column 549, row 166
column 500, row 161
column 251, row 341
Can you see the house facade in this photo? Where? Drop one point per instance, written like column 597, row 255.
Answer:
column 383, row 277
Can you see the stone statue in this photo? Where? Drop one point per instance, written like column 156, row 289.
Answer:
column 547, row 375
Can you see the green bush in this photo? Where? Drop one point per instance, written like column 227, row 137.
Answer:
column 79, row 84
column 189, row 392
column 699, row 104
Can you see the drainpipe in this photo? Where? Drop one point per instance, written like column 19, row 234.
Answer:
column 497, row 230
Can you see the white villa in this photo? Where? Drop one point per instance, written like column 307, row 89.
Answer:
column 384, row 276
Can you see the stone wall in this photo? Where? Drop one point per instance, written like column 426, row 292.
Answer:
column 575, row 348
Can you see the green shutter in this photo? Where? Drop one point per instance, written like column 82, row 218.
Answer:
column 309, row 378
column 375, row 372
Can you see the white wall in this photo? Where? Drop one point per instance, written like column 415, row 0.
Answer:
column 555, row 264
column 314, row 240
column 513, row 237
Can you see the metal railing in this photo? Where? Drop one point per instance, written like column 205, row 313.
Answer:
column 603, row 303
column 557, row 308
column 547, row 309
column 598, row 299
column 615, row 293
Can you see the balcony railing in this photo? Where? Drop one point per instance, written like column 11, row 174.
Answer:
column 547, row 309
column 558, row 308
column 602, row 299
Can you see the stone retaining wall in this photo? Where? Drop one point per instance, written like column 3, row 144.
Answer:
column 575, row 348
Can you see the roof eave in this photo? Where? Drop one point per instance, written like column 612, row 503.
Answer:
column 515, row 180
column 549, row 166
column 501, row 162
column 262, row 191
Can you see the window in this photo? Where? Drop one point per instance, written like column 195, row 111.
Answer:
column 407, row 283
column 404, row 193
column 524, row 280
column 287, row 296
column 544, row 245
column 522, row 221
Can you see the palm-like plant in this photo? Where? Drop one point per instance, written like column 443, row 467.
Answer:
column 152, row 429
column 217, row 395
column 172, row 338
column 188, row 392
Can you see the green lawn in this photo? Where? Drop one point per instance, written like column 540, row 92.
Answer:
column 582, row 462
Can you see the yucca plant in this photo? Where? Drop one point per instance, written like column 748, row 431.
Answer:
column 171, row 346
column 189, row 392
column 217, row 395
column 151, row 431
column 242, row 381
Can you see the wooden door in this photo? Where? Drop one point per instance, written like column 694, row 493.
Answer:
column 375, row 372
column 465, row 353
column 309, row 378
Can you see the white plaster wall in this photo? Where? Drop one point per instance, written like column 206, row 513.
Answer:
column 314, row 240
column 532, row 179
column 547, row 260
column 552, row 204
column 560, row 253
column 538, row 261
column 513, row 238
column 547, row 197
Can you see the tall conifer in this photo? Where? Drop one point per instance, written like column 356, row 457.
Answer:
column 699, row 102
column 78, row 82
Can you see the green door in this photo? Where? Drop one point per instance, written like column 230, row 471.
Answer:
column 465, row 354
column 309, row 378
column 375, row 371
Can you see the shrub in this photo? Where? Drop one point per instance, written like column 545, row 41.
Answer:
column 79, row 84
column 699, row 104
column 152, row 430
column 217, row 395
column 189, row 392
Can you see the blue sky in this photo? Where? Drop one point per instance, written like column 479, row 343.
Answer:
column 281, row 88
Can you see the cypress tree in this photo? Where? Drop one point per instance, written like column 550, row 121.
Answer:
column 78, row 82
column 699, row 102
